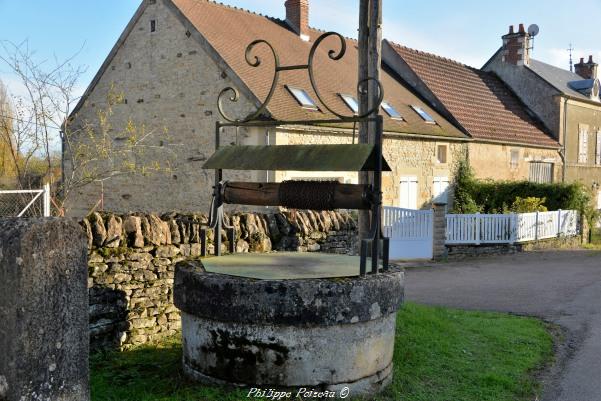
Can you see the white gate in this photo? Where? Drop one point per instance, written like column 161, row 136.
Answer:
column 25, row 203
column 410, row 232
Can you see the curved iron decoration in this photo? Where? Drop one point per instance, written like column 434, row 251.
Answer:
column 333, row 54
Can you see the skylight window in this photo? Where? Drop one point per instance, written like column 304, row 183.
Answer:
column 425, row 116
column 302, row 97
column 351, row 102
column 391, row 111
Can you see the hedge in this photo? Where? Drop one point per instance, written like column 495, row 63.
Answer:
column 487, row 196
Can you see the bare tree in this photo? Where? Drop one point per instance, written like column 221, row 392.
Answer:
column 41, row 127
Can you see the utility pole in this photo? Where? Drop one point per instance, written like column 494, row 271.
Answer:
column 370, row 59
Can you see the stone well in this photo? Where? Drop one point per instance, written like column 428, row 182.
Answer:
column 309, row 322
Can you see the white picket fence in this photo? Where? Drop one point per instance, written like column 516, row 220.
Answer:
column 510, row 228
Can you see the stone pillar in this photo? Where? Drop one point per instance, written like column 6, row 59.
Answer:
column 43, row 310
column 585, row 229
column 439, row 249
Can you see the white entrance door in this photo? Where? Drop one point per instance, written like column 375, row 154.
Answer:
column 408, row 193
column 440, row 190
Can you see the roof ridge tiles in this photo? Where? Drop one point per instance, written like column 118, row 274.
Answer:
column 219, row 3
column 417, row 51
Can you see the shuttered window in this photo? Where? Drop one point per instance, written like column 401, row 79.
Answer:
column 408, row 193
column 515, row 159
column 440, row 190
column 583, row 145
column 541, row 172
column 598, row 149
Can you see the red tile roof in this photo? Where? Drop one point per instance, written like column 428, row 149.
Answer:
column 478, row 100
column 229, row 30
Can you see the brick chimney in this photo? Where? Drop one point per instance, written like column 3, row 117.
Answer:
column 588, row 70
column 297, row 16
column 516, row 46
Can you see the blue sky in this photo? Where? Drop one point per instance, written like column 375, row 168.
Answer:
column 466, row 30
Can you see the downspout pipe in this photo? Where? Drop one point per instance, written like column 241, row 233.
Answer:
column 563, row 150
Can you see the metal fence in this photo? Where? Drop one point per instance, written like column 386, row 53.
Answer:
column 510, row 228
column 25, row 203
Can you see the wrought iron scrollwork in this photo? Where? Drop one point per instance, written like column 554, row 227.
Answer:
column 233, row 95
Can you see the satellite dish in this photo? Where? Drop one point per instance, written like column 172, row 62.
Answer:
column 533, row 30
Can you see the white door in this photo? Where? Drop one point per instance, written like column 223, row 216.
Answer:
column 440, row 190
column 410, row 233
column 408, row 193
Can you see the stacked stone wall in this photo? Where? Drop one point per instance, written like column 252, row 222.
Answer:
column 132, row 260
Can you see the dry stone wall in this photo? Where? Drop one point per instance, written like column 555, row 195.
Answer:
column 132, row 260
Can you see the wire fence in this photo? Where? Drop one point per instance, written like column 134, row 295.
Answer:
column 25, row 203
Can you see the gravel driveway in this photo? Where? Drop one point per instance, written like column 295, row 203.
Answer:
column 562, row 287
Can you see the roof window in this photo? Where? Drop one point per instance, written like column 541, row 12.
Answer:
column 424, row 115
column 302, row 97
column 351, row 102
column 391, row 111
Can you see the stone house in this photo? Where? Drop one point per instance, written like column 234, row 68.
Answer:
column 176, row 56
column 566, row 102
column 508, row 141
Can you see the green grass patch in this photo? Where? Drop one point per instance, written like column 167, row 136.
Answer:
column 441, row 355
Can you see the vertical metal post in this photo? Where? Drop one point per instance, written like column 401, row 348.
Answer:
column 363, row 98
column 217, row 193
column 203, row 242
column 536, row 228
column 559, row 223
column 47, row 200
column 370, row 45
column 376, row 223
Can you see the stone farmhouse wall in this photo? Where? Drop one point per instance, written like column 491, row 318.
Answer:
column 493, row 161
column 132, row 260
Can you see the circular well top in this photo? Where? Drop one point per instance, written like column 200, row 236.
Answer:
column 293, row 301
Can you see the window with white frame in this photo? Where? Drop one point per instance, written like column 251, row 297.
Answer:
column 598, row 149
column 583, row 144
column 408, row 192
column 440, row 190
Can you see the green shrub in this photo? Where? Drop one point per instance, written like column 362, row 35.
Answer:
column 465, row 183
column 528, row 205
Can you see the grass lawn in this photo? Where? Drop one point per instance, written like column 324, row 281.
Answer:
column 440, row 355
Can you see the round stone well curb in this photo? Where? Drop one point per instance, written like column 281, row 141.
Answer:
column 326, row 333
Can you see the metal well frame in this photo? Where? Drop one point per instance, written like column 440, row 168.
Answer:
column 376, row 244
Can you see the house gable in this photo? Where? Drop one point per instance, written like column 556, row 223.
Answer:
column 168, row 82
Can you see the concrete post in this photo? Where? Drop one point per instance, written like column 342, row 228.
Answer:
column 439, row 249
column 43, row 310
